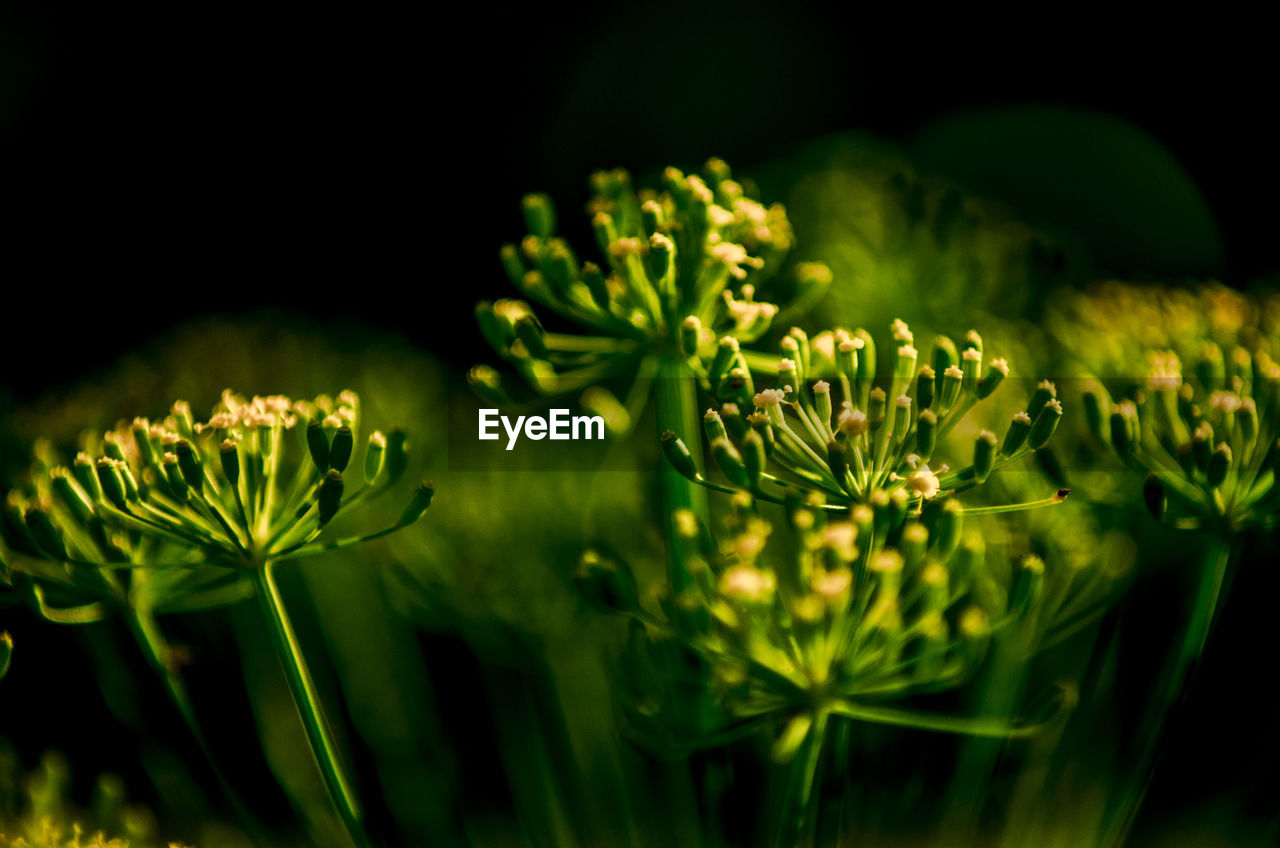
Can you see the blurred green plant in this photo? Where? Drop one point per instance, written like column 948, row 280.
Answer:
column 41, row 815
column 900, row 238
column 1204, row 436
column 684, row 266
column 183, row 515
column 870, row 610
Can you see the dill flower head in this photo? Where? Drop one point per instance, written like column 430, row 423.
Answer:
column 169, row 513
column 864, row 612
column 676, row 269
column 850, row 439
column 1196, row 408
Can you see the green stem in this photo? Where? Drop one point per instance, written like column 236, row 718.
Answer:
column 798, row 808
column 1207, row 601
column 677, row 409
column 307, row 701
column 842, row 733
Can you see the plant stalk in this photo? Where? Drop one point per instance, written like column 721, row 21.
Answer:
column 307, row 702
column 801, row 801
column 676, row 400
column 1208, row 598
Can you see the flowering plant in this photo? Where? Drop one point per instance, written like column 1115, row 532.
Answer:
column 181, row 515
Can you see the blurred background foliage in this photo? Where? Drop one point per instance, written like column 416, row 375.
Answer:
column 318, row 208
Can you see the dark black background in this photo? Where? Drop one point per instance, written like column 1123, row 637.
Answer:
column 161, row 161
column 164, row 162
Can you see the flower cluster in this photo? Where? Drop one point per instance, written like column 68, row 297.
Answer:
column 867, row 610
column 679, row 268
column 1183, row 386
column 185, row 507
column 858, row 442
column 1207, row 438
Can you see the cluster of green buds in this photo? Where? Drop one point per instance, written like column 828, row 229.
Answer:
column 182, row 508
column 856, row 442
column 869, row 609
column 1207, row 439
column 680, row 268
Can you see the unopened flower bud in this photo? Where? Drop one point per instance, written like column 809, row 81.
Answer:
column 318, row 444
column 606, row 583
column 112, row 482
column 539, row 215
column 44, row 532
column 822, row 399
column 1045, row 424
column 1016, row 435
column 926, row 434
column 678, row 454
column 594, row 280
column 952, row 380
column 690, row 335
column 753, row 457
column 971, row 370
column 1219, row 464
column 71, row 494
column 529, row 332
column 993, row 379
column 726, row 353
column 329, row 498
column 944, row 356
column 901, row 415
column 713, row 425
column 875, row 407
column 142, row 437
column 190, row 465
column 1124, row 427
column 730, row 462
column 915, row 541
column 984, row 455
column 509, row 255
column 229, row 459
column 417, row 505
column 341, row 448
column 925, row 387
column 847, row 359
column 1097, row 411
column 86, row 476
column 173, row 474
column 1045, row 392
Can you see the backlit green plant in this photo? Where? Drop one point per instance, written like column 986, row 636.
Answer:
column 182, row 515
column 680, row 267
column 1187, row 397
column 858, row 442
column 44, row 815
column 868, row 610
